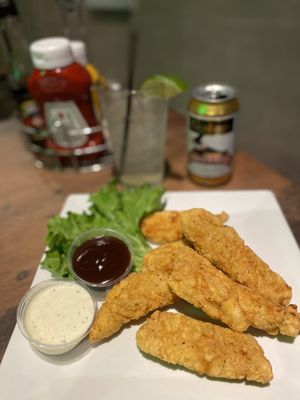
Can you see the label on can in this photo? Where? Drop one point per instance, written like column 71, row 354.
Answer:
column 211, row 143
column 66, row 123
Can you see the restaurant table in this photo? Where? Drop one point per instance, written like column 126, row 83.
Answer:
column 30, row 196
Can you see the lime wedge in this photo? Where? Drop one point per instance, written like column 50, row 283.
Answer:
column 163, row 86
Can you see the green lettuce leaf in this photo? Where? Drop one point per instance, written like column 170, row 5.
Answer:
column 140, row 201
column 106, row 201
column 121, row 210
column 56, row 262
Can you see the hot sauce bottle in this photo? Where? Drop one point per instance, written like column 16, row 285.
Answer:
column 62, row 89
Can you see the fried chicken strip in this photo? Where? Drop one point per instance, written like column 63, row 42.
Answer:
column 165, row 226
column 203, row 347
column 133, row 297
column 197, row 281
column 223, row 247
column 162, row 258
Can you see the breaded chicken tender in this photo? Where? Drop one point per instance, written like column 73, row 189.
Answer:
column 197, row 281
column 165, row 226
column 162, row 227
column 223, row 247
column 133, row 297
column 203, row 347
column 162, row 258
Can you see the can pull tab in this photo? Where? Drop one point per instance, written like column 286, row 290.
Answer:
column 217, row 94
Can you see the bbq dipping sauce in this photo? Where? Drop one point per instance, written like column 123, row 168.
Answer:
column 100, row 258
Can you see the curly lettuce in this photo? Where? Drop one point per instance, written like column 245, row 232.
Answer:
column 110, row 207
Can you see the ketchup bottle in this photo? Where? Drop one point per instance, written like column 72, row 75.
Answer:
column 62, row 89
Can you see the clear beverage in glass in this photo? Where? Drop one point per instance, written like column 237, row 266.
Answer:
column 136, row 126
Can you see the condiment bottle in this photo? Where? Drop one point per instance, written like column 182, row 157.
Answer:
column 79, row 54
column 62, row 90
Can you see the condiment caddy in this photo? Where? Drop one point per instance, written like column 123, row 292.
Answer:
column 66, row 131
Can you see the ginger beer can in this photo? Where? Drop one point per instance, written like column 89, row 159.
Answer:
column 212, row 117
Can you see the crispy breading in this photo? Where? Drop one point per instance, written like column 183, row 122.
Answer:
column 133, row 297
column 197, row 281
column 162, row 258
column 165, row 226
column 223, row 247
column 203, row 347
column 162, row 227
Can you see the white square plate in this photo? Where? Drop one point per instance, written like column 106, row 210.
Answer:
column 117, row 370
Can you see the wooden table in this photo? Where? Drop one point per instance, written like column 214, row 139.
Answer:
column 30, row 196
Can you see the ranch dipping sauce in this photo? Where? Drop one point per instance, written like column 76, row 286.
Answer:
column 56, row 315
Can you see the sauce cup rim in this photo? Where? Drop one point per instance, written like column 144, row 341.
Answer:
column 93, row 233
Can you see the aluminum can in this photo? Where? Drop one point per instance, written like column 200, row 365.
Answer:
column 211, row 141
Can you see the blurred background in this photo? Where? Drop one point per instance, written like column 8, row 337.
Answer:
column 253, row 46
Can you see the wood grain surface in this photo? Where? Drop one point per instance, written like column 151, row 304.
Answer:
column 30, row 196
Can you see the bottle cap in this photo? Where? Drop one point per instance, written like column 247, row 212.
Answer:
column 53, row 52
column 79, row 52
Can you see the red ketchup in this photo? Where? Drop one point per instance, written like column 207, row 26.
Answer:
column 62, row 89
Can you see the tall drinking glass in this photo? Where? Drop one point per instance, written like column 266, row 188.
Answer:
column 136, row 126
